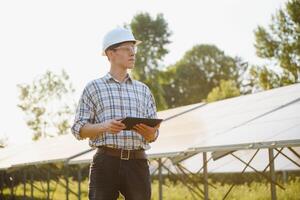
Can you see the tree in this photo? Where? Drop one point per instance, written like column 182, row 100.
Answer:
column 280, row 45
column 262, row 77
column 154, row 34
column 198, row 72
column 47, row 103
column 226, row 89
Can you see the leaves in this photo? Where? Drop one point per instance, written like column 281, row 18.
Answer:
column 281, row 45
column 47, row 103
column 154, row 34
column 226, row 89
column 199, row 71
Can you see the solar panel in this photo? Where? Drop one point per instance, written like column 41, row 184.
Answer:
column 173, row 112
column 48, row 150
column 7, row 153
column 83, row 159
column 284, row 124
column 208, row 126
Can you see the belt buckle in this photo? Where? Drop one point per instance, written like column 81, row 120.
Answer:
column 128, row 155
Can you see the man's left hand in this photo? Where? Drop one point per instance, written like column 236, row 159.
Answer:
column 147, row 132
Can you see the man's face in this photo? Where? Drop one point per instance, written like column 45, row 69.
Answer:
column 123, row 55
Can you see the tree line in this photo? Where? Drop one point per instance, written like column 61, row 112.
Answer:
column 204, row 73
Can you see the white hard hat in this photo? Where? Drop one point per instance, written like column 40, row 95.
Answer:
column 116, row 36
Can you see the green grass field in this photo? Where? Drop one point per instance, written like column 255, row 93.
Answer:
column 172, row 191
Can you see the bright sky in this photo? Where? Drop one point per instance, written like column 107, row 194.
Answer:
column 37, row 35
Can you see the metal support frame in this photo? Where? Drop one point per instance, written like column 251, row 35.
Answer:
column 210, row 158
column 288, row 158
column 48, row 185
column 272, row 174
column 205, row 184
column 284, row 176
column 270, row 165
column 261, row 173
column 231, row 187
column 198, row 191
column 12, row 186
column 62, row 183
column 294, row 152
column 154, row 171
column 183, row 181
column 24, row 184
column 1, row 184
column 192, row 173
column 161, row 165
column 59, row 182
column 67, row 183
column 248, row 165
column 160, row 190
column 79, row 182
column 31, row 185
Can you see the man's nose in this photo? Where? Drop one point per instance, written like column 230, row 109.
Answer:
column 132, row 51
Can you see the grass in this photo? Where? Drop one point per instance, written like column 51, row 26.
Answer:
column 176, row 191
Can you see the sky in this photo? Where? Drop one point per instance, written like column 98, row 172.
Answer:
column 39, row 35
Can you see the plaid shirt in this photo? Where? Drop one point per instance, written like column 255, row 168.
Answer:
column 104, row 99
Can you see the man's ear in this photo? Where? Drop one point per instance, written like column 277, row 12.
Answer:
column 109, row 54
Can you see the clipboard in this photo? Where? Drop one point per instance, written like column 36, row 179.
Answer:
column 130, row 122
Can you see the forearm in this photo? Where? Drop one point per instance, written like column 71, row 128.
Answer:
column 92, row 130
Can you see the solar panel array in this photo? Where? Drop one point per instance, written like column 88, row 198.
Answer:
column 269, row 116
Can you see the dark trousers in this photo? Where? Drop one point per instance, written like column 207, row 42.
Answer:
column 110, row 175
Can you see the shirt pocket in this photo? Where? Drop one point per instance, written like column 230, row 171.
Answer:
column 137, row 106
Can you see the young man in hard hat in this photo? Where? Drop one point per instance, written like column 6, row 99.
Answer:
column 120, row 163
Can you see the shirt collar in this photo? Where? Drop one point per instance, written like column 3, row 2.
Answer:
column 108, row 77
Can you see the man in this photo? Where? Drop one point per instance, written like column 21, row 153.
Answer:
column 120, row 163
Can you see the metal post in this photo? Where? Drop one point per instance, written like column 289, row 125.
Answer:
column 205, row 175
column 79, row 183
column 272, row 173
column 160, row 197
column 2, row 184
column 12, row 186
column 284, row 176
column 24, row 184
column 67, row 184
column 31, row 186
column 48, row 184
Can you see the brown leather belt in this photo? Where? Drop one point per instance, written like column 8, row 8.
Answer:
column 123, row 154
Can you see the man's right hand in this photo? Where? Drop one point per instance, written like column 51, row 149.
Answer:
column 113, row 126
column 94, row 131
